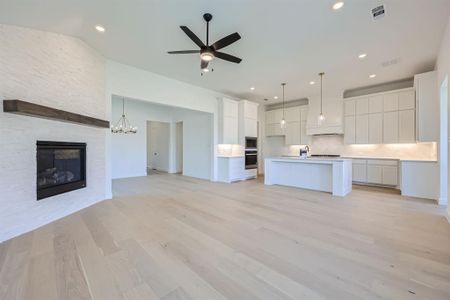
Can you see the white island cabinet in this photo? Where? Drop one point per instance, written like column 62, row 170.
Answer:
column 333, row 175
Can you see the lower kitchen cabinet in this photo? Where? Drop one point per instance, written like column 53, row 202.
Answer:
column 375, row 174
column 376, row 171
column 231, row 168
column 390, row 175
column 359, row 172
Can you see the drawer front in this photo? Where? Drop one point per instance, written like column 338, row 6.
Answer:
column 382, row 162
column 359, row 161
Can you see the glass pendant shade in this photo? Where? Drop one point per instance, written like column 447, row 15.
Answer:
column 283, row 120
column 283, row 123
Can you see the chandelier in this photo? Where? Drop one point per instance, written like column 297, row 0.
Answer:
column 123, row 125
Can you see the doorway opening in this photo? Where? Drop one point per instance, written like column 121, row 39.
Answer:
column 179, row 148
column 158, row 147
column 443, row 147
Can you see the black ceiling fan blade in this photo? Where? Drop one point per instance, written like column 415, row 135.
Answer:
column 227, row 57
column 228, row 40
column 184, row 52
column 193, row 37
column 203, row 64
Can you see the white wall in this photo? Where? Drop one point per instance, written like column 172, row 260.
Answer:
column 61, row 72
column 129, row 154
column 443, row 69
column 198, row 145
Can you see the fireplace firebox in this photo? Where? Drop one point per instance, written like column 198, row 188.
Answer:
column 61, row 167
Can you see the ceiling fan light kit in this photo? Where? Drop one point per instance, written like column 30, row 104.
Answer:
column 208, row 52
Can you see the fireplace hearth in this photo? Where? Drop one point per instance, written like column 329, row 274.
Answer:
column 61, row 167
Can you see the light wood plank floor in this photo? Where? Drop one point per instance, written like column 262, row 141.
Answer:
column 172, row 237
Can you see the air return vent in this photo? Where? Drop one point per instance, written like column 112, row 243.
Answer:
column 378, row 12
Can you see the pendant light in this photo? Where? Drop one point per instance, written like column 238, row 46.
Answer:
column 123, row 125
column 283, row 120
column 321, row 115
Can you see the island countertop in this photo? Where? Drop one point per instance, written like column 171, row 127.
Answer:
column 322, row 160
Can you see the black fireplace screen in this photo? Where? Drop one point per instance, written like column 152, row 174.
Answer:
column 61, row 167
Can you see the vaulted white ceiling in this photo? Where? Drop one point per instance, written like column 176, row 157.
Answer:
column 282, row 40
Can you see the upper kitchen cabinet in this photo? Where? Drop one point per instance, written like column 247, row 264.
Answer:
column 427, row 107
column 382, row 118
column 295, row 131
column 333, row 112
column 228, row 121
column 273, row 119
column 248, row 120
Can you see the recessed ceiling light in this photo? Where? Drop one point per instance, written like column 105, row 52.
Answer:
column 362, row 55
column 252, row 88
column 372, row 75
column 275, row 97
column 312, row 82
column 100, row 28
column 338, row 5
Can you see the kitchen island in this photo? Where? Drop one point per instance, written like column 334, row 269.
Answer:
column 333, row 175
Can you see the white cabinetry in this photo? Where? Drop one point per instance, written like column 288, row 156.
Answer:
column 228, row 121
column 383, row 118
column 231, row 169
column 376, row 171
column 295, row 129
column 273, row 118
column 248, row 120
column 427, row 107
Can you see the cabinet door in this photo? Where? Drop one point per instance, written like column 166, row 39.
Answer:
column 277, row 116
column 375, row 174
column 349, row 107
column 390, row 102
column 390, row 175
column 376, row 128
column 251, row 129
column 269, row 117
column 362, row 106
column 349, row 130
column 303, row 114
column 390, row 127
column 362, row 129
column 407, row 128
column 359, row 172
column 250, row 110
column 269, row 131
column 230, row 128
column 406, row 100
column 230, row 108
column 292, row 133
column 292, row 114
column 376, row 104
column 304, row 138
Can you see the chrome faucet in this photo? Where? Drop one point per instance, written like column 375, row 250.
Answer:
column 304, row 150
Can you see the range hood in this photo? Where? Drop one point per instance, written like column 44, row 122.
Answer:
column 324, row 130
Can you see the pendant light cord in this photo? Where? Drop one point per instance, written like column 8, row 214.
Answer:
column 123, row 106
column 283, row 84
column 321, row 92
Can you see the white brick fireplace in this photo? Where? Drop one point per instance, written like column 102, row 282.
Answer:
column 60, row 72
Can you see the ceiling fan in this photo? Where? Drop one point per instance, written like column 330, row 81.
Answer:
column 209, row 52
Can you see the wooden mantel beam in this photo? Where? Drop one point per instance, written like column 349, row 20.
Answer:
column 40, row 111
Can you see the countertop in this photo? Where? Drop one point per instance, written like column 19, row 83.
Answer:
column 321, row 160
column 230, row 156
column 392, row 158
